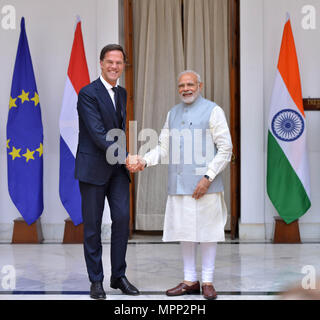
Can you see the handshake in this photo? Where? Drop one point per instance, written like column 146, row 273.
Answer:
column 135, row 163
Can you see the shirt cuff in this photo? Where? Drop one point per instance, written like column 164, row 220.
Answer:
column 210, row 174
column 147, row 162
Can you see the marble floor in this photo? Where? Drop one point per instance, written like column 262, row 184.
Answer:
column 243, row 271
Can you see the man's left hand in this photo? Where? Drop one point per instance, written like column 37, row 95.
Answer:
column 201, row 189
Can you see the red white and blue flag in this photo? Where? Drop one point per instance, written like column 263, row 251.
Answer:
column 77, row 78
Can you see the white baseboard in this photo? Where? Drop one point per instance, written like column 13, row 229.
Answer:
column 52, row 233
column 6, row 230
column 264, row 232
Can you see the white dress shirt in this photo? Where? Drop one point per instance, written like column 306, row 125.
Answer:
column 109, row 88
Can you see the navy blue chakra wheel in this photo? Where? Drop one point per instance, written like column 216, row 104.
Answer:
column 287, row 125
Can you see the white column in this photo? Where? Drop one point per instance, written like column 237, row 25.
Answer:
column 252, row 120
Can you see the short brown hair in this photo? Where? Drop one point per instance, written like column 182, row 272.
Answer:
column 112, row 47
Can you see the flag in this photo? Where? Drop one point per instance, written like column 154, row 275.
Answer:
column 25, row 136
column 288, row 183
column 77, row 77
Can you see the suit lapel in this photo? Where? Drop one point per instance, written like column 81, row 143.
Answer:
column 104, row 96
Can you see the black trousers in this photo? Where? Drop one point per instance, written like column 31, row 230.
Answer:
column 93, row 199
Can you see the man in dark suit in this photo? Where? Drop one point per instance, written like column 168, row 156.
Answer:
column 100, row 169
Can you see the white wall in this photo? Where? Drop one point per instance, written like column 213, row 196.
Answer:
column 262, row 23
column 50, row 30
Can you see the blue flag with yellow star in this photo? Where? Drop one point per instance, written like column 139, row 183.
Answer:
column 25, row 137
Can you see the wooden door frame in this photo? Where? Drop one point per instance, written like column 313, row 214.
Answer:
column 234, row 75
column 129, row 85
column 234, row 72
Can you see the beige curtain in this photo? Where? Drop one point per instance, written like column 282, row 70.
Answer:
column 162, row 49
column 206, row 51
column 158, row 58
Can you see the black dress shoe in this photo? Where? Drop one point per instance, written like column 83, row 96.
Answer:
column 96, row 291
column 124, row 285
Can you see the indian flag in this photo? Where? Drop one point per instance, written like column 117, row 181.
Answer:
column 288, row 183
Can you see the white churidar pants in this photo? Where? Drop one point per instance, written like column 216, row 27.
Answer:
column 189, row 254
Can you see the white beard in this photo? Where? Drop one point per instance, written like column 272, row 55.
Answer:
column 191, row 99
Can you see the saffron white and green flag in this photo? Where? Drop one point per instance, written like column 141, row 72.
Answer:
column 288, row 183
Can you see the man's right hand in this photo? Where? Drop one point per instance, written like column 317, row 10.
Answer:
column 135, row 163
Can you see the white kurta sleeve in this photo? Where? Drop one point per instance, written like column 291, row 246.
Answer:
column 222, row 139
column 160, row 153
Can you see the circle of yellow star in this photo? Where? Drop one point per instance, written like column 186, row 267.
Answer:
column 35, row 99
column 29, row 155
column 8, row 141
column 24, row 96
column 15, row 153
column 40, row 150
column 12, row 103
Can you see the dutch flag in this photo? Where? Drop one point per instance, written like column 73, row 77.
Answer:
column 77, row 78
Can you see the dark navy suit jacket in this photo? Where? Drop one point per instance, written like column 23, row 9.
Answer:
column 97, row 116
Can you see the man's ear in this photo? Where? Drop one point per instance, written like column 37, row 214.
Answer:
column 201, row 86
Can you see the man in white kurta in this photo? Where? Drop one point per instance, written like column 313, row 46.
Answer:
column 199, row 217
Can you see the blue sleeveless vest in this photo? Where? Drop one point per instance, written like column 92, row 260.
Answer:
column 191, row 147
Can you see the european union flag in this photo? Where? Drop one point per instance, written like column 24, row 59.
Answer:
column 25, row 137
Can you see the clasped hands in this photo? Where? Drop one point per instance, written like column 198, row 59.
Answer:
column 135, row 163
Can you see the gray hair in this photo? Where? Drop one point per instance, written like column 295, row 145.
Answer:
column 189, row 71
